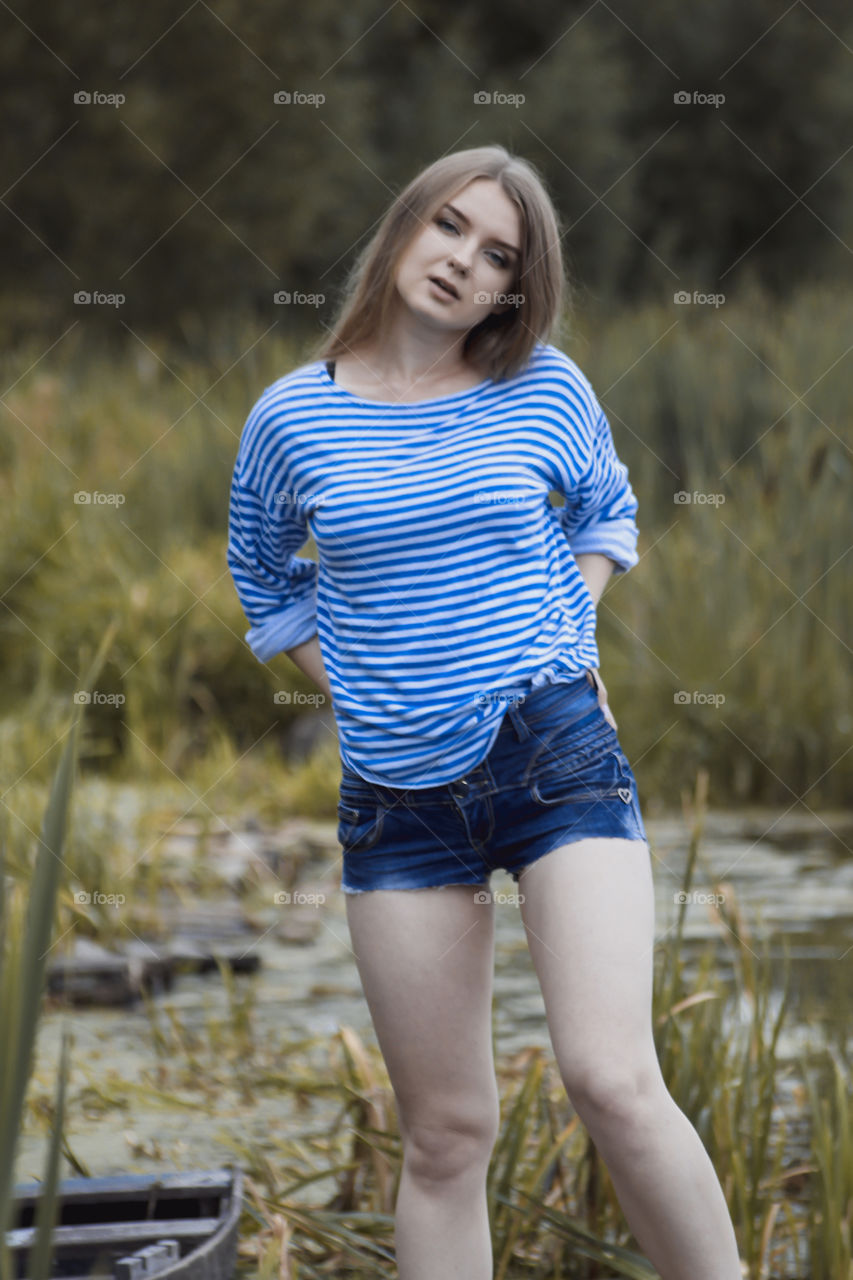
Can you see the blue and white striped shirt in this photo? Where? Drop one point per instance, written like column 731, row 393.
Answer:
column 446, row 578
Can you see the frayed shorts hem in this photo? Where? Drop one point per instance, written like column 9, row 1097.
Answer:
column 485, row 885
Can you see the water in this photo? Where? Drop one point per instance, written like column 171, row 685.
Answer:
column 793, row 878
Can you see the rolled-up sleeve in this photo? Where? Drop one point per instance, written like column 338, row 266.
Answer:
column 600, row 510
column 266, row 527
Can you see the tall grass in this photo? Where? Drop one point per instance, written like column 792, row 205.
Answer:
column 27, row 920
column 831, row 1208
column 321, row 1199
column 741, row 600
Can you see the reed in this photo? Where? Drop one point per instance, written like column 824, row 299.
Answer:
column 830, row 1208
column 25, row 941
column 552, row 1207
column 741, row 600
column 322, row 1198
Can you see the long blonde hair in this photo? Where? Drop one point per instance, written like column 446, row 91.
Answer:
column 500, row 345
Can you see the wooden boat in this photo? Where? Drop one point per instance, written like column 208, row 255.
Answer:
column 176, row 1226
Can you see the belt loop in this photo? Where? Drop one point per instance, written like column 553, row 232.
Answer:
column 521, row 729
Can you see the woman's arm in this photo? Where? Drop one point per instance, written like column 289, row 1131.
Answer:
column 309, row 660
column 596, row 570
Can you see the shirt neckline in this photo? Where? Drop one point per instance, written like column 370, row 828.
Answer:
column 325, row 377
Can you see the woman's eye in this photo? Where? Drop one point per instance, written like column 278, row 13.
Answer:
column 497, row 257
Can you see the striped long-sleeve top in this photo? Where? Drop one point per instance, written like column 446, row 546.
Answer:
column 446, row 581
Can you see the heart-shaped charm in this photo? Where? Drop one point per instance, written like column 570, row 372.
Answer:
column 625, row 794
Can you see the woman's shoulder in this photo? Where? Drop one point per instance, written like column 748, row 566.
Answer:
column 556, row 373
column 548, row 360
column 298, row 382
column 281, row 404
column 299, row 385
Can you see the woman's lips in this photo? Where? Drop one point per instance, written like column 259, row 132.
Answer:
column 444, row 286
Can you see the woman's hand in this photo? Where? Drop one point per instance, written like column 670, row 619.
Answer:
column 602, row 698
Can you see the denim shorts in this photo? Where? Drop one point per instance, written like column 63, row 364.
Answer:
column 555, row 774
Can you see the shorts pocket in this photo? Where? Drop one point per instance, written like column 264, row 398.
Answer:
column 580, row 764
column 359, row 828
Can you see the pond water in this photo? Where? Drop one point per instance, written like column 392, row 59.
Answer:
column 792, row 877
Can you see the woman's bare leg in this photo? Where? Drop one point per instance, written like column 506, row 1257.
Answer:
column 588, row 910
column 426, row 959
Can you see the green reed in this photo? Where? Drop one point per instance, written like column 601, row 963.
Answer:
column 27, row 919
column 323, row 1197
column 741, row 600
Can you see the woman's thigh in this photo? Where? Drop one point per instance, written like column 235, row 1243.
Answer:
column 426, row 959
column 588, row 911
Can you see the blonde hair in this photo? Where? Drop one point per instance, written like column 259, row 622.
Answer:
column 500, row 345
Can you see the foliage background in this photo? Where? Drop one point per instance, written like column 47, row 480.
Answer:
column 199, row 197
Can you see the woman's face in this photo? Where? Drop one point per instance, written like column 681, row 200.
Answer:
column 473, row 244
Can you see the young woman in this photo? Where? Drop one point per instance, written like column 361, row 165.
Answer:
column 451, row 620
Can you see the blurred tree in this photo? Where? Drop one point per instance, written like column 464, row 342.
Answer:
column 717, row 196
column 201, row 196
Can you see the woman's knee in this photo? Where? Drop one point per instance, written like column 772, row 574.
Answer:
column 450, row 1144
column 619, row 1093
